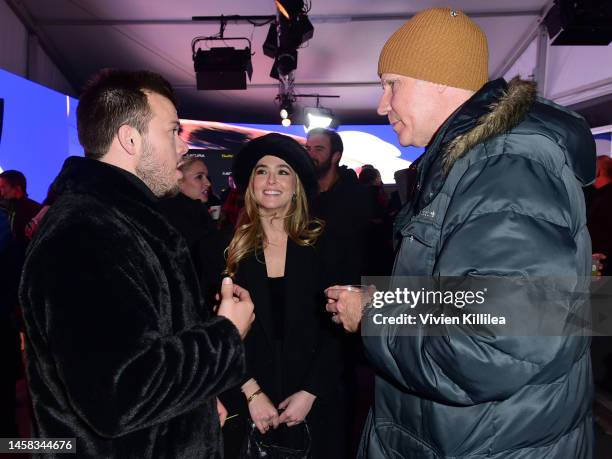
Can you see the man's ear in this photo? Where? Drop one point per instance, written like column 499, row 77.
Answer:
column 336, row 157
column 129, row 139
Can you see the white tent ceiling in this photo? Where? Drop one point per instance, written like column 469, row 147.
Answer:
column 83, row 36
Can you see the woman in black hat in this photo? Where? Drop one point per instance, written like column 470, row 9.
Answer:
column 293, row 358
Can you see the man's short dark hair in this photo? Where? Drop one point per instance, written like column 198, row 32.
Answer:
column 113, row 98
column 14, row 179
column 335, row 141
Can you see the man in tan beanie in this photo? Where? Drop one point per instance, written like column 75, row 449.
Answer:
column 498, row 197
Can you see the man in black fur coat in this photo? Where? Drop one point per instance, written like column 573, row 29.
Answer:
column 121, row 352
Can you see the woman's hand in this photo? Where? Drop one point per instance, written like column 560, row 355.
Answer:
column 263, row 413
column 222, row 412
column 297, row 407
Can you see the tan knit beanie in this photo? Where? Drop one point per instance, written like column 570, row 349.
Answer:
column 440, row 45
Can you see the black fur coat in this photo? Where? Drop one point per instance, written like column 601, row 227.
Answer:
column 121, row 353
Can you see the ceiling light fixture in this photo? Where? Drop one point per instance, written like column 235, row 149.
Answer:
column 223, row 67
column 318, row 117
column 291, row 29
column 286, row 101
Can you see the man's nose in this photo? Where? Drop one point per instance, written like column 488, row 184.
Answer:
column 383, row 105
column 182, row 147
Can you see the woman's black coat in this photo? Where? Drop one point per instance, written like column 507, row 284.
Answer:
column 310, row 358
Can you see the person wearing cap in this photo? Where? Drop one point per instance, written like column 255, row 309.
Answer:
column 293, row 361
column 498, row 195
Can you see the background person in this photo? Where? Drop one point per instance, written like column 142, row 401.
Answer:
column 189, row 213
column 599, row 213
column 21, row 209
column 343, row 204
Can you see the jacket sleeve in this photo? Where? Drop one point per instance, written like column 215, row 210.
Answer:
column 241, row 279
column 323, row 378
column 505, row 225
column 105, row 316
column 324, row 375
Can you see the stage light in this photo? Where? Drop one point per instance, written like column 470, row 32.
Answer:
column 286, row 101
column 290, row 9
column 270, row 46
column 223, row 67
column 284, row 64
column 318, row 118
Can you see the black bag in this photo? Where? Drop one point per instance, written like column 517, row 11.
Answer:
column 256, row 445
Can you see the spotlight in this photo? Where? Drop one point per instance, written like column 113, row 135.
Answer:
column 286, row 107
column 270, row 46
column 284, row 64
column 299, row 31
column 290, row 9
column 291, row 29
column 223, row 67
column 318, row 118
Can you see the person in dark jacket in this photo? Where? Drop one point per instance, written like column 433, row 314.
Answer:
column 599, row 222
column 21, row 209
column 188, row 212
column 346, row 207
column 122, row 354
column 343, row 204
column 599, row 214
column 10, row 353
column 498, row 197
column 293, row 360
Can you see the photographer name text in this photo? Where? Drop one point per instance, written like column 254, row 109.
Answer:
column 441, row 319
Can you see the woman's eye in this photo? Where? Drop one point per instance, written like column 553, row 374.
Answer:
column 260, row 171
column 283, row 172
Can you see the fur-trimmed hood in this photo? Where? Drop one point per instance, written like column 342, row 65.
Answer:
column 516, row 106
column 505, row 114
column 549, row 132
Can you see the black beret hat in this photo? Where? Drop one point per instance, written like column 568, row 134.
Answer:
column 281, row 146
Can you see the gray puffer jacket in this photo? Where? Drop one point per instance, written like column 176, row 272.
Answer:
column 499, row 194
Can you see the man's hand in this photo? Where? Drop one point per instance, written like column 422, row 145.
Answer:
column 297, row 407
column 346, row 304
column 236, row 305
column 222, row 412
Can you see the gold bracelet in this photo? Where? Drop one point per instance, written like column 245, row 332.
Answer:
column 253, row 395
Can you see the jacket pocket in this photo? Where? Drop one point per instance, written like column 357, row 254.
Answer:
column 416, row 255
column 399, row 443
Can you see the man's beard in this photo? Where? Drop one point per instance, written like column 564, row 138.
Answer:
column 323, row 168
column 160, row 181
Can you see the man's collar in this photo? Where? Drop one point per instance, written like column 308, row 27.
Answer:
column 135, row 180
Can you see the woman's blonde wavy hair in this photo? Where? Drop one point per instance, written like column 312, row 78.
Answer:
column 249, row 236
